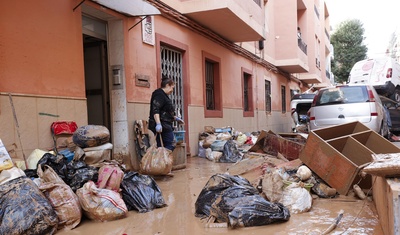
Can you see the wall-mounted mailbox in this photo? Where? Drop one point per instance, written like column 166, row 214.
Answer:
column 142, row 80
column 116, row 74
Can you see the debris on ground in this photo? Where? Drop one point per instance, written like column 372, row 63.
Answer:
column 233, row 200
column 75, row 178
column 386, row 165
column 334, row 224
column 272, row 164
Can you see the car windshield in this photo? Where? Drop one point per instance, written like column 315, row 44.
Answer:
column 342, row 95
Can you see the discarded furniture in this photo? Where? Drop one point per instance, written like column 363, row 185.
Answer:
column 287, row 144
column 338, row 153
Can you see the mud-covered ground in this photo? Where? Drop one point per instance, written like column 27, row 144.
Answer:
column 181, row 191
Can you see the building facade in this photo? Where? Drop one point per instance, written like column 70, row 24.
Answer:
column 235, row 63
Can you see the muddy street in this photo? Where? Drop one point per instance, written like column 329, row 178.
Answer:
column 180, row 192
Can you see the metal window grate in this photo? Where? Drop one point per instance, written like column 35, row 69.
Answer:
column 283, row 98
column 268, row 108
column 171, row 66
column 246, row 91
column 210, row 86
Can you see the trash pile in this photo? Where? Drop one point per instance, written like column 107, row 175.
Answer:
column 233, row 200
column 222, row 144
column 266, row 183
column 53, row 190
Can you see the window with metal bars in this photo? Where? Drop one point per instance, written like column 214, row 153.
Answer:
column 246, row 91
column 248, row 109
column 283, row 98
column 268, row 108
column 172, row 67
column 210, row 85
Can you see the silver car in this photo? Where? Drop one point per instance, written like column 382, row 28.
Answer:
column 347, row 103
column 300, row 104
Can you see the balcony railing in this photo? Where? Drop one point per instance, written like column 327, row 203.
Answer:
column 317, row 63
column 328, row 74
column 302, row 45
column 316, row 11
column 258, row 2
column 327, row 34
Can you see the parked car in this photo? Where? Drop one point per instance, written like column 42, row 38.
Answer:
column 300, row 104
column 348, row 103
column 383, row 73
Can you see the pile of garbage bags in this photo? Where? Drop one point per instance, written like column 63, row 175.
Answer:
column 222, row 144
column 232, row 199
column 56, row 192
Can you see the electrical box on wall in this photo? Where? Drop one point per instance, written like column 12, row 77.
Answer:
column 116, row 73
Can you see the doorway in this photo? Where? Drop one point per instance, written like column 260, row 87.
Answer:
column 96, row 71
column 171, row 66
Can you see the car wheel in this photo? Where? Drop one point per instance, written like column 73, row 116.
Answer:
column 396, row 95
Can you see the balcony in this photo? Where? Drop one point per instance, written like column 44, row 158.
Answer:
column 234, row 20
column 310, row 78
column 292, row 57
column 291, row 36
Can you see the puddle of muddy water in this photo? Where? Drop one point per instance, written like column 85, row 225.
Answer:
column 181, row 191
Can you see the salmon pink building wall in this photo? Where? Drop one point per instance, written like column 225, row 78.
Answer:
column 41, row 72
column 38, row 55
column 284, row 43
column 42, row 66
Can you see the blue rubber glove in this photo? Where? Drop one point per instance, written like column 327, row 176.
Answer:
column 159, row 128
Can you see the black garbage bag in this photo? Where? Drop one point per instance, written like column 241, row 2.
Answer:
column 231, row 153
column 141, row 192
column 31, row 173
column 79, row 173
column 241, row 207
column 25, row 210
column 214, row 187
column 73, row 173
column 57, row 162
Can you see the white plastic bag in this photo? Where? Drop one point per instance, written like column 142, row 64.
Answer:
column 296, row 198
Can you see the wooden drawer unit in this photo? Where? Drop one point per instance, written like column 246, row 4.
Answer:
column 338, row 153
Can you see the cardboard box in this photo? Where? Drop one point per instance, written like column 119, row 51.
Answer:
column 338, row 153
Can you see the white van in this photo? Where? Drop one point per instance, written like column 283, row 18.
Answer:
column 382, row 73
